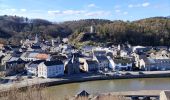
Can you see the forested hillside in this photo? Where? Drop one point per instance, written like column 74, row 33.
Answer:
column 150, row 31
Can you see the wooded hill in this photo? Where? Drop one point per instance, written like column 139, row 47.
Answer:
column 150, row 31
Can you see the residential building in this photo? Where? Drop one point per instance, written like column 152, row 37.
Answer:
column 165, row 95
column 33, row 56
column 120, row 63
column 32, row 67
column 91, row 66
column 103, row 62
column 72, row 66
column 14, row 67
column 6, row 59
column 50, row 69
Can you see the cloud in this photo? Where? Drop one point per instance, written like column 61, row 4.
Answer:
column 66, row 12
column 133, row 5
column 125, row 13
column 97, row 13
column 72, row 12
column 92, row 5
column 117, row 11
column 145, row 4
column 54, row 12
column 10, row 10
column 23, row 10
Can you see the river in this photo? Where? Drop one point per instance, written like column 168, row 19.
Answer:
column 60, row 92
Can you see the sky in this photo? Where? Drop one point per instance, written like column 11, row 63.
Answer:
column 66, row 10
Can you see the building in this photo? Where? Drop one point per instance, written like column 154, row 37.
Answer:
column 33, row 56
column 89, row 65
column 5, row 59
column 50, row 69
column 140, row 49
column 14, row 67
column 32, row 67
column 99, row 53
column 165, row 95
column 123, row 53
column 103, row 62
column 72, row 66
column 153, row 64
column 120, row 63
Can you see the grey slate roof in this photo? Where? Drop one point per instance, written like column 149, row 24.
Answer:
column 51, row 63
column 101, row 58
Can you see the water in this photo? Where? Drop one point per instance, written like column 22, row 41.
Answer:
column 95, row 87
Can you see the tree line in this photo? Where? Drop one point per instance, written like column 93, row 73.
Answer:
column 149, row 31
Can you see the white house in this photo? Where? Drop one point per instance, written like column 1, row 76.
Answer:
column 32, row 67
column 49, row 69
column 120, row 64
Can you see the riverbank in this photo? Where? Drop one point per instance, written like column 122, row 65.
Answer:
column 81, row 78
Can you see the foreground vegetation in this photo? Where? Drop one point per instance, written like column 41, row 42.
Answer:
column 39, row 93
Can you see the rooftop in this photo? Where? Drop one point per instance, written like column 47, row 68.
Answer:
column 51, row 63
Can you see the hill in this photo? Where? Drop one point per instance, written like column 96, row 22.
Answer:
column 149, row 31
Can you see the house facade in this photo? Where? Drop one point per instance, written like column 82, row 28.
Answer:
column 32, row 68
column 103, row 62
column 72, row 66
column 50, row 69
column 120, row 64
column 90, row 66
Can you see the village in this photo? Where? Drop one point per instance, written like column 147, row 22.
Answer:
column 50, row 59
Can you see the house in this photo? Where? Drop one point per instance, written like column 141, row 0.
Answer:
column 6, row 59
column 120, row 63
column 87, row 50
column 123, row 53
column 154, row 62
column 165, row 95
column 145, row 63
column 1, row 46
column 32, row 67
column 140, row 49
column 50, row 69
column 14, row 67
column 90, row 66
column 33, row 56
column 162, row 54
column 162, row 64
column 36, row 48
column 103, row 62
column 83, row 94
column 72, row 66
column 99, row 53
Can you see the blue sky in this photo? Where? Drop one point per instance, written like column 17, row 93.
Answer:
column 64, row 10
